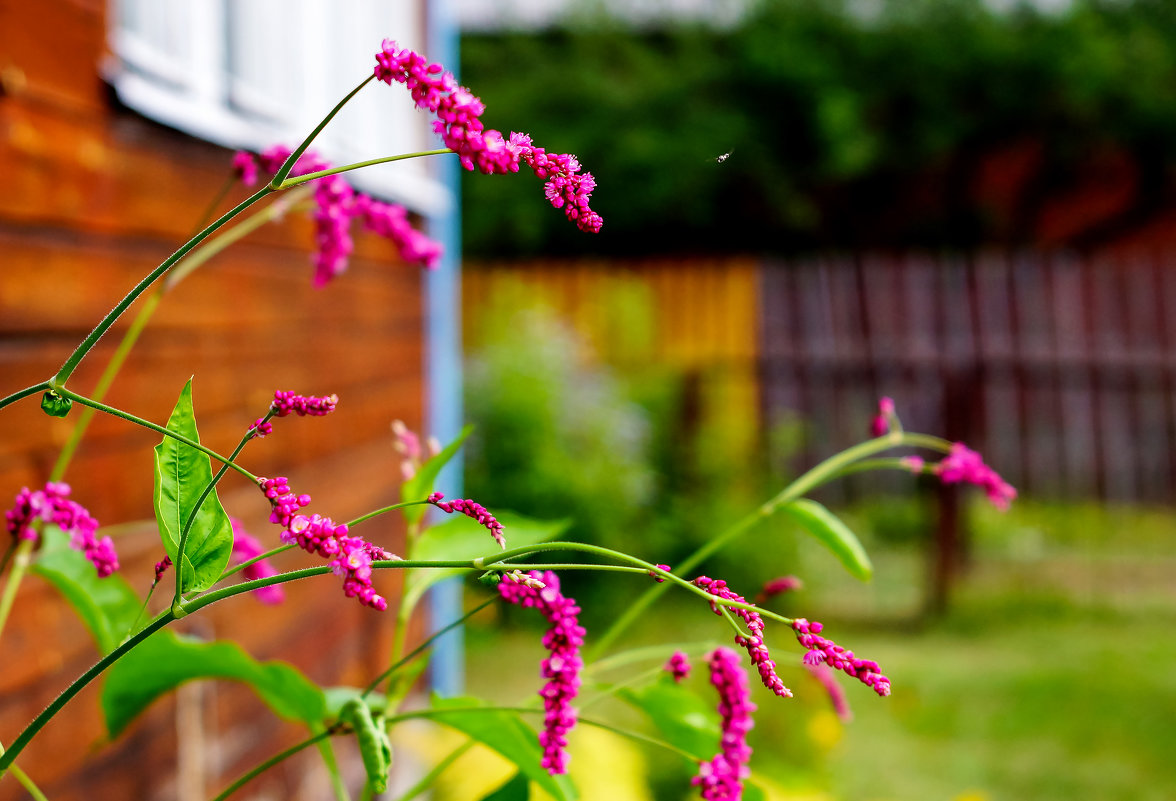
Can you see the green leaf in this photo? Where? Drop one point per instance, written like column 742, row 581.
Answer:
column 181, row 474
column 108, row 606
column 464, row 538
column 684, row 719
column 833, row 534
column 505, row 733
column 517, row 788
column 420, row 486
column 165, row 660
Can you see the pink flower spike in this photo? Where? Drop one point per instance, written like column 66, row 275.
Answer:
column 471, row 509
column 823, row 650
column 964, row 465
column 350, row 557
column 721, row 779
column 678, row 666
column 460, row 127
column 754, row 644
column 246, row 547
column 779, row 586
column 658, row 578
column 562, row 666
column 161, row 567
column 53, row 506
column 245, row 167
column 881, row 423
column 286, row 403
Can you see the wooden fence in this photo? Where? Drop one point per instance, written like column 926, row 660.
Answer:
column 1060, row 369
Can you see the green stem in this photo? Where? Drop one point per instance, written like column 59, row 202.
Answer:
column 429, row 714
column 812, row 479
column 79, row 683
column 429, row 778
column 29, row 785
column 328, row 754
column 92, row 338
column 258, row 558
column 379, row 512
column 424, row 645
column 310, row 176
column 495, row 563
column 199, row 502
column 288, row 165
column 20, row 564
column 155, row 427
column 274, row 760
column 24, row 393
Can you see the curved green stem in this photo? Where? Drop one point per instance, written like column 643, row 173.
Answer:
column 58, row 381
column 424, row 645
column 82, row 399
column 78, row 684
column 496, row 563
column 20, row 565
column 274, row 760
column 208, row 489
column 24, row 393
column 379, row 512
column 426, row 781
column 815, row 477
column 258, row 558
column 429, row 714
column 310, row 176
column 284, row 170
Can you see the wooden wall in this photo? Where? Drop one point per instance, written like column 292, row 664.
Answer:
column 94, row 196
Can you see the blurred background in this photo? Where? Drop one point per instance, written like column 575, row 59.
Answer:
column 967, row 206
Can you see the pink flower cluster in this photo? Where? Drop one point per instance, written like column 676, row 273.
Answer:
column 460, row 127
column 964, row 465
column 287, row 403
column 246, row 547
column 562, row 666
column 822, row 650
column 779, row 586
column 161, row 567
column 52, row 505
column 721, row 779
column 350, row 557
column 336, row 205
column 471, row 509
column 754, row 644
column 408, row 445
column 881, row 423
column 678, row 666
column 658, row 578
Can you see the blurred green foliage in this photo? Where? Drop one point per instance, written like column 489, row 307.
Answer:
column 630, row 457
column 847, row 124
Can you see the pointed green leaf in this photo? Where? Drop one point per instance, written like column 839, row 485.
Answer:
column 462, row 537
column 833, row 534
column 684, row 719
column 516, row 788
column 505, row 733
column 166, row 660
column 420, row 486
column 181, row 474
column 108, row 606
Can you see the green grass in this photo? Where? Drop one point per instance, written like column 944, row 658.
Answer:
column 1052, row 677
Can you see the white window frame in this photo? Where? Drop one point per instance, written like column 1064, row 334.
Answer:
column 174, row 60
